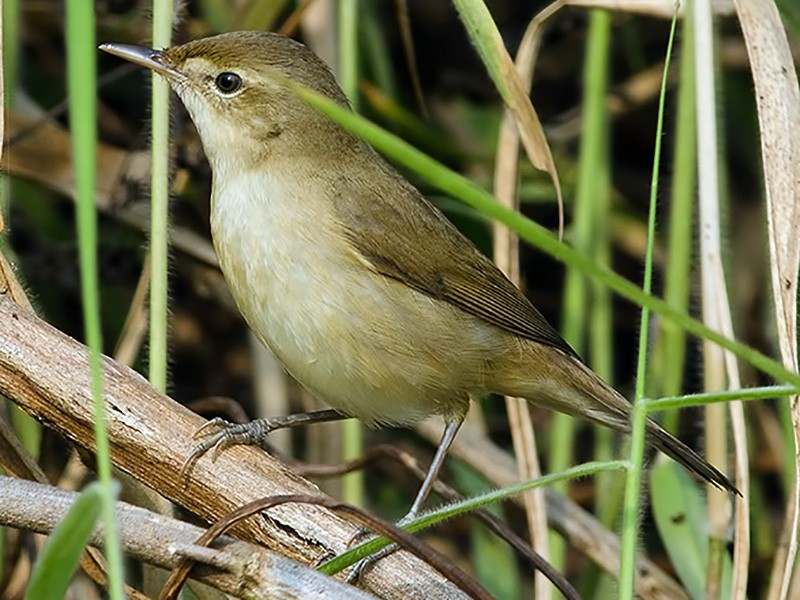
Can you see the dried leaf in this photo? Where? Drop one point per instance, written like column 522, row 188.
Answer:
column 778, row 101
column 654, row 8
column 490, row 46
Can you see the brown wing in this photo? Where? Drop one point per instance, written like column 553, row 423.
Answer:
column 395, row 229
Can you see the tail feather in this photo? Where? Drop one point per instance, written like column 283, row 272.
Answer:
column 616, row 411
column 569, row 386
column 683, row 454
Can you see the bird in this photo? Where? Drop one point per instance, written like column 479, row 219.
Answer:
column 364, row 291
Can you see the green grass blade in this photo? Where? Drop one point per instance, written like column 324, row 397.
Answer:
column 81, row 80
column 680, row 512
column 377, row 55
column 450, row 511
column 352, row 431
column 159, row 208
column 633, row 482
column 667, row 364
column 579, row 297
column 59, row 558
column 757, row 393
column 348, row 74
column 593, row 191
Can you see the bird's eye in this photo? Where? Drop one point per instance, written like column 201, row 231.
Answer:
column 228, row 82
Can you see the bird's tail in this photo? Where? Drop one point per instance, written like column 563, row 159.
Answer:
column 683, row 454
column 614, row 402
column 663, row 440
column 568, row 385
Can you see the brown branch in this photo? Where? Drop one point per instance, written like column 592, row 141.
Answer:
column 402, row 538
column 47, row 373
column 236, row 567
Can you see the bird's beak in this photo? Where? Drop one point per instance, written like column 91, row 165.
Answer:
column 145, row 57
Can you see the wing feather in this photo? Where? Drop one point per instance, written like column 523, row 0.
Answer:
column 411, row 241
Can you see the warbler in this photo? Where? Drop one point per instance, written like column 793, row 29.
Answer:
column 364, row 290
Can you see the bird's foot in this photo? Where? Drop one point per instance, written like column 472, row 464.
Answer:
column 365, row 563
column 358, row 570
column 219, row 434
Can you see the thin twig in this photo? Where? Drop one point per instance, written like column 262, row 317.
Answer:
column 493, row 523
column 399, row 536
column 238, row 568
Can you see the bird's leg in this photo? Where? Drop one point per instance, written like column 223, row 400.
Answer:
column 451, row 429
column 254, row 433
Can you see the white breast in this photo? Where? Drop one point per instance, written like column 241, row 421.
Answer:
column 271, row 251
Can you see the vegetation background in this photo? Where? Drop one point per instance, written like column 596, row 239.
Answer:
column 412, row 67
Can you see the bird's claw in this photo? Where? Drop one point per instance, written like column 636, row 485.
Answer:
column 360, row 534
column 215, row 422
column 227, row 434
column 200, row 449
column 362, row 565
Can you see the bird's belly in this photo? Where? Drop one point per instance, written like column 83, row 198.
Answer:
column 381, row 359
column 365, row 344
